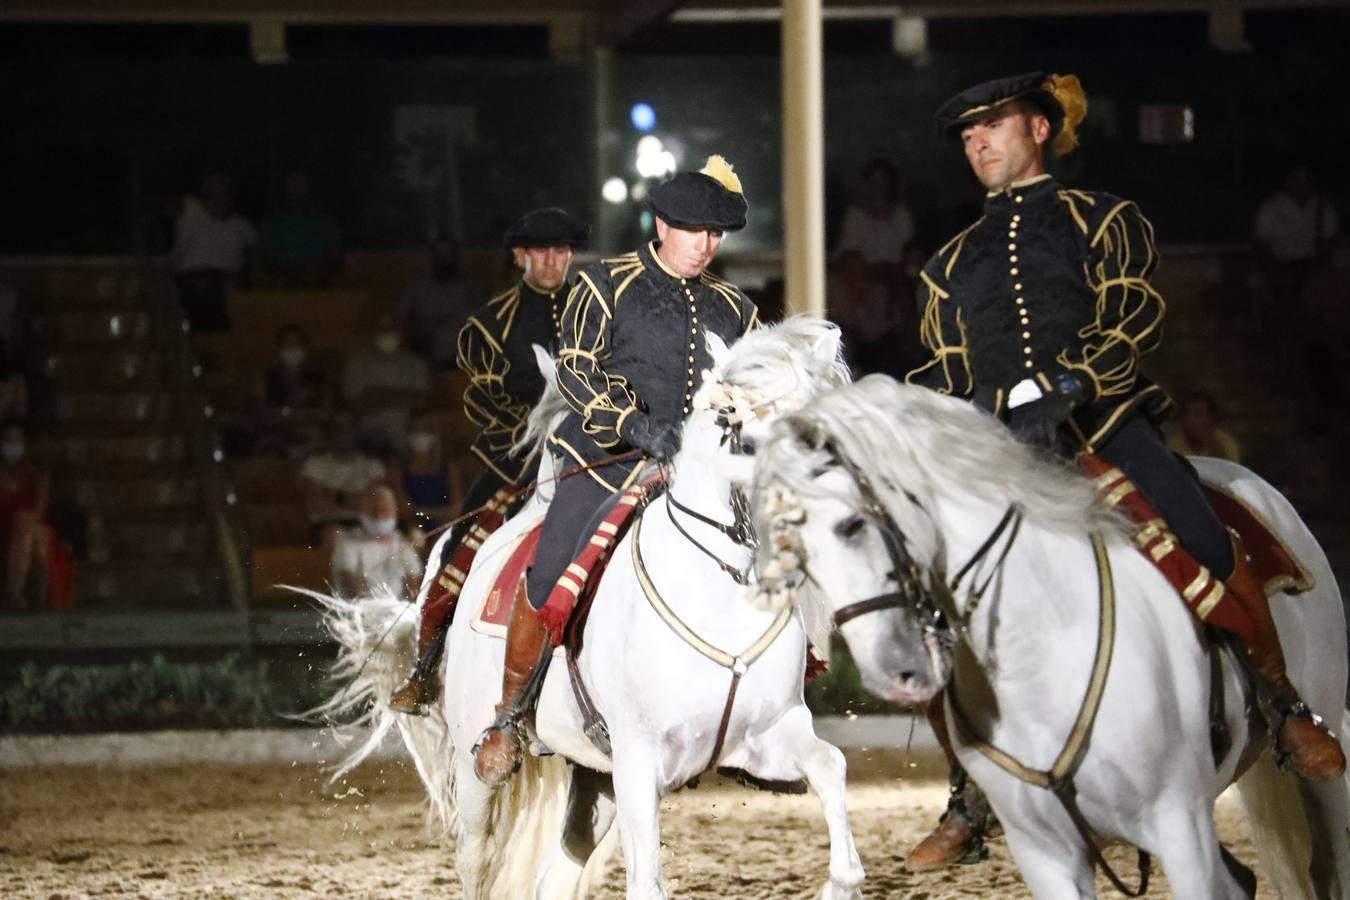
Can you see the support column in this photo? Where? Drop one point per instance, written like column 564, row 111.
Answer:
column 803, row 159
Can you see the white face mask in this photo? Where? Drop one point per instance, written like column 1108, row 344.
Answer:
column 293, row 356
column 387, row 342
column 379, row 527
column 422, row 443
column 11, row 451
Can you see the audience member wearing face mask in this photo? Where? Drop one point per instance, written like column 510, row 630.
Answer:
column 383, row 385
column 294, row 397
column 23, row 530
column 374, row 555
column 430, row 485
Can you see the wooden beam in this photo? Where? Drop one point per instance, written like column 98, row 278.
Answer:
column 803, row 158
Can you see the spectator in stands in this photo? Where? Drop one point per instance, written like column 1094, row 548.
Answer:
column 1199, row 433
column 877, row 225
column 384, row 385
column 24, row 534
column 295, row 398
column 1293, row 229
column 429, row 483
column 433, row 310
column 861, row 306
column 299, row 245
column 212, row 246
column 375, row 555
column 334, row 479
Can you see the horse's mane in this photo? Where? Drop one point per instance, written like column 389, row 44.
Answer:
column 756, row 362
column 919, row 441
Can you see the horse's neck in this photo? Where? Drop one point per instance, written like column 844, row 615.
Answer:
column 1033, row 629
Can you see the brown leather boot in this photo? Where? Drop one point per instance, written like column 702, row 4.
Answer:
column 959, row 837
column 527, row 649
column 1311, row 749
column 416, row 695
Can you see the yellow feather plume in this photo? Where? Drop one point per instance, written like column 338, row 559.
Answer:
column 719, row 170
column 1068, row 92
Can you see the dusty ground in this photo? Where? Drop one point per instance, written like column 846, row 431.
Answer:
column 280, row 831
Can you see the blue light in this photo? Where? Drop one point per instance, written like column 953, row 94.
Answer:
column 642, row 116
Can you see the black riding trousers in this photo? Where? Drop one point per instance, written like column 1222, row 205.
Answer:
column 1171, row 486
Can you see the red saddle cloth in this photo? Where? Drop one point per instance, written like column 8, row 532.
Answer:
column 584, row 570
column 1206, row 597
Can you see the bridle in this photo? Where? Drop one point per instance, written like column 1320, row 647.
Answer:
column 934, row 602
column 741, row 530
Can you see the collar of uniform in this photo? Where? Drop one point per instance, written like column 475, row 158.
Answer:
column 550, row 295
column 1026, row 191
column 650, row 251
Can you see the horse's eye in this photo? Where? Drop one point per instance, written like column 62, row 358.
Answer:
column 748, row 446
column 851, row 527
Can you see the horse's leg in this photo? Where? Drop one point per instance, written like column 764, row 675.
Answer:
column 1328, row 817
column 1189, row 852
column 590, row 814
column 824, row 768
column 1052, row 869
column 637, row 793
column 473, row 806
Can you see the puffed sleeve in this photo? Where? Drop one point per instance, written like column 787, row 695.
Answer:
column 1129, row 317
column 486, row 401
column 604, row 401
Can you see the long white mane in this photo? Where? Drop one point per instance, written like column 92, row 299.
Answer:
column 915, row 442
column 781, row 365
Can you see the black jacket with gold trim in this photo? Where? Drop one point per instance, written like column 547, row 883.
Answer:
column 633, row 345
column 1047, row 281
column 495, row 351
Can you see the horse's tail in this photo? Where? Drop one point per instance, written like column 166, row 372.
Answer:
column 377, row 640
column 1279, row 826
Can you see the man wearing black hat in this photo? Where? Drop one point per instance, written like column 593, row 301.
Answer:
column 496, row 351
column 1040, row 313
column 633, row 345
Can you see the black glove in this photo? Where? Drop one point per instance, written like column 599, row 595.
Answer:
column 1038, row 422
column 660, row 441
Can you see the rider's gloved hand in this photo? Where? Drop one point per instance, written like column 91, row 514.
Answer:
column 658, row 440
column 1038, row 422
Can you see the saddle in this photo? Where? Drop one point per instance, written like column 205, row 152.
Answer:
column 1206, row 596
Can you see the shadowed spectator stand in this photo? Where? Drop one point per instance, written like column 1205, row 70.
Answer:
column 118, row 422
column 212, row 252
column 299, row 245
column 374, row 555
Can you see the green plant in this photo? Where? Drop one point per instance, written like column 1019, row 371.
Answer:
column 840, row 692
column 154, row 693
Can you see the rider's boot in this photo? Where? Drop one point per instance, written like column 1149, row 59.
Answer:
column 422, row 688
column 1300, row 736
column 416, row 695
column 528, row 651
column 959, row 837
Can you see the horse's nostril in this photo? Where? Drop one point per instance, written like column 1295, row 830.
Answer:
column 906, row 677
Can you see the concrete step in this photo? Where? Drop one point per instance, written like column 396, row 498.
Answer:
column 101, row 368
column 135, row 585
column 74, row 447
column 60, row 330
column 89, row 407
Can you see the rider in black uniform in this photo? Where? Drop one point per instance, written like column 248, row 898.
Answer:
column 633, row 345
column 1040, row 313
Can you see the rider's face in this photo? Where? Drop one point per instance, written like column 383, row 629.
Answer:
column 545, row 267
column 687, row 251
column 1006, row 147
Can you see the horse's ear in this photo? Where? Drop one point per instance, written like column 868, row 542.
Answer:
column 717, row 349
column 825, row 350
column 545, row 364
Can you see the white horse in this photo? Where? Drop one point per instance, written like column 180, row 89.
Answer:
column 663, row 694
column 940, row 476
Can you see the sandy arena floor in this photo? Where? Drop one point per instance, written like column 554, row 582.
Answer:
column 280, row 831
